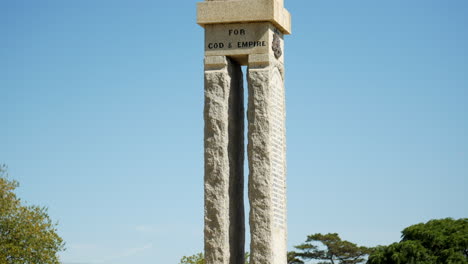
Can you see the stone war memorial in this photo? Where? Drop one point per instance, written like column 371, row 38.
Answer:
column 244, row 33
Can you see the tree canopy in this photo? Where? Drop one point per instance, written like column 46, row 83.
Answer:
column 442, row 241
column 194, row 259
column 200, row 259
column 293, row 258
column 27, row 234
column 329, row 248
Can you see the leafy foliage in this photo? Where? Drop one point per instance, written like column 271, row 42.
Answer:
column 200, row 259
column 443, row 241
column 194, row 259
column 342, row 251
column 329, row 248
column 293, row 258
column 27, row 234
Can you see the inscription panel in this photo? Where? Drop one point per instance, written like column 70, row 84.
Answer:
column 236, row 39
column 278, row 146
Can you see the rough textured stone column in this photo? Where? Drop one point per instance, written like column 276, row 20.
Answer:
column 267, row 160
column 224, row 155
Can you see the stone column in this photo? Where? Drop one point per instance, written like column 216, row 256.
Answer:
column 267, row 160
column 224, row 157
column 244, row 32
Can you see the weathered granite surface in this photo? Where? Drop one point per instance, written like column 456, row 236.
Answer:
column 241, row 11
column 224, row 156
column 240, row 40
column 244, row 32
column 266, row 151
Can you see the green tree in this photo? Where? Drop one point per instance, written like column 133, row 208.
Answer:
column 329, row 248
column 293, row 258
column 443, row 241
column 200, row 259
column 194, row 259
column 27, row 235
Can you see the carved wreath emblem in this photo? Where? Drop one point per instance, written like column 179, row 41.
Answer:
column 276, row 46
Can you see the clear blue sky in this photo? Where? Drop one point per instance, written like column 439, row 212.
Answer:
column 101, row 120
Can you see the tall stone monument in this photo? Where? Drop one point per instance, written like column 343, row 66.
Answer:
column 244, row 32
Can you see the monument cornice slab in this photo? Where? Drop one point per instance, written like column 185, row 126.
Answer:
column 244, row 11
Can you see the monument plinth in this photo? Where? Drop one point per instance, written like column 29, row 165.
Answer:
column 244, row 32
